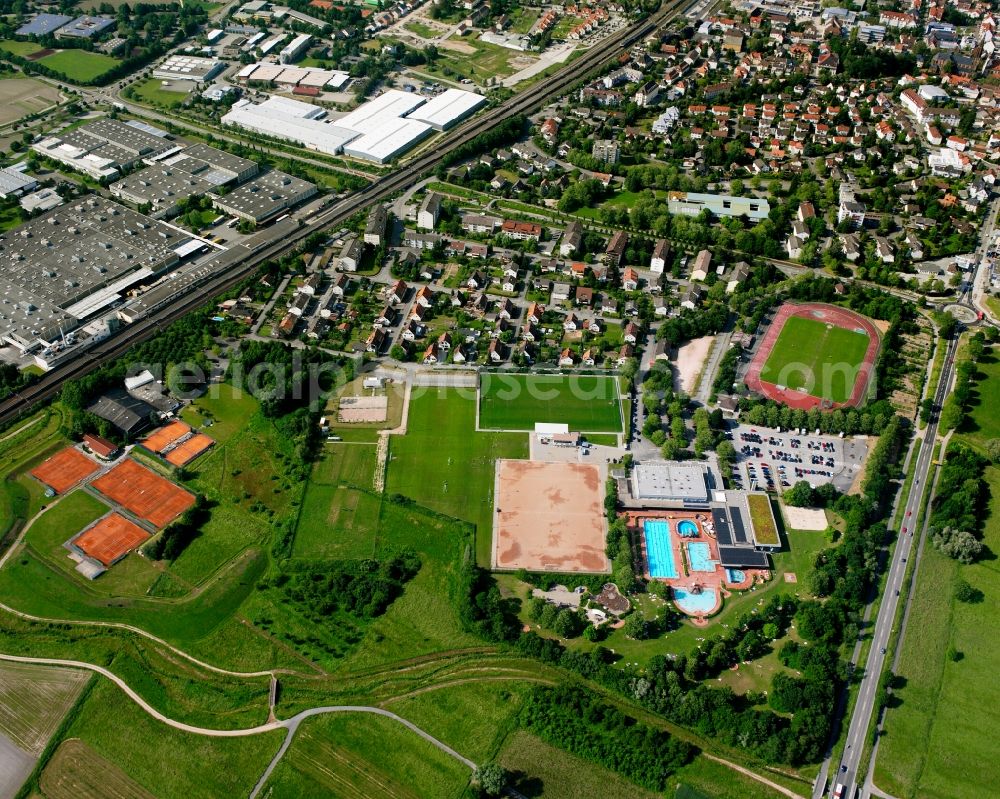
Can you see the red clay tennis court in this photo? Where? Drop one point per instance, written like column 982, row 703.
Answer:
column 188, row 450
column 160, row 439
column 144, row 493
column 110, row 539
column 64, row 469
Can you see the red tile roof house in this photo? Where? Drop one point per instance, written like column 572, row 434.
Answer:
column 101, row 447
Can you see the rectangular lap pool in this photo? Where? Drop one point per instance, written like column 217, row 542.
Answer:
column 700, row 556
column 659, row 553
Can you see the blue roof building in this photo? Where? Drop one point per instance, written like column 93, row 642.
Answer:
column 43, row 24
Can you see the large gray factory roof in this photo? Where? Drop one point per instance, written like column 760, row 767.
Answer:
column 266, row 195
column 669, row 481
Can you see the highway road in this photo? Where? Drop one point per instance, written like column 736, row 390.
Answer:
column 847, row 771
column 245, row 260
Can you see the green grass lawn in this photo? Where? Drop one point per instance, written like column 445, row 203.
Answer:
column 335, row 755
column 23, row 49
column 79, row 65
column 445, row 465
column 587, row 403
column 938, row 741
column 983, row 422
column 337, row 522
column 547, row 772
column 190, row 766
column 820, row 359
column 151, row 92
column 422, row 30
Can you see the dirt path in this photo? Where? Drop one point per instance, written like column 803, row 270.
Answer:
column 754, row 776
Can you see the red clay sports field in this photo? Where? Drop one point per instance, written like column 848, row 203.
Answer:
column 820, row 312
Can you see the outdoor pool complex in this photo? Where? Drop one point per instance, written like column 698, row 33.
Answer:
column 700, row 556
column 658, row 550
column 687, row 528
column 693, row 604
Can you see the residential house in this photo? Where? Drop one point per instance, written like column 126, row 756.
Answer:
column 561, row 292
column 738, row 276
column 572, row 239
column 378, row 217
column 631, row 333
column 658, row 262
column 567, row 357
column 430, row 210
column 630, row 279
column 701, row 265
column 692, row 297
column 615, row 250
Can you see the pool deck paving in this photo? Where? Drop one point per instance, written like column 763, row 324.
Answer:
column 716, row 580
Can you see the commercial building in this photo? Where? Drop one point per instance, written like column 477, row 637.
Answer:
column 105, row 146
column 670, row 482
column 295, row 49
column 67, row 267
column 693, row 203
column 387, row 139
column 448, row 108
column 194, row 170
column 188, row 67
column 14, row 181
column 43, row 24
column 291, row 120
column 85, row 27
column 265, row 196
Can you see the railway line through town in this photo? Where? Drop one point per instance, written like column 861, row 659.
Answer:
column 283, row 240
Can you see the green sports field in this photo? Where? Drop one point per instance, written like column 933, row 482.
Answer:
column 587, row 403
column 819, row 358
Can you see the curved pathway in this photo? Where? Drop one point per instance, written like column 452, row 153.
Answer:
column 291, row 725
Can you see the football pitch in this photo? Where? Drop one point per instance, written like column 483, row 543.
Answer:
column 816, row 357
column 587, row 403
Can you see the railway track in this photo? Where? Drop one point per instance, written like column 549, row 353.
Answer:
column 381, row 189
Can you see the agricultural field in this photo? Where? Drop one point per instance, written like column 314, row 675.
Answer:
column 116, row 730
column 76, row 770
column 587, row 403
column 21, row 97
column 33, row 701
column 333, row 755
column 445, row 465
column 807, row 349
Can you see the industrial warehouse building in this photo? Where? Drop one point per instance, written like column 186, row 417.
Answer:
column 62, row 269
column 265, row 196
column 188, row 67
column 379, row 130
column 194, row 170
column 281, row 75
column 104, row 147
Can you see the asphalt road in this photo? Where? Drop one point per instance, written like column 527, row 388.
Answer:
column 847, row 771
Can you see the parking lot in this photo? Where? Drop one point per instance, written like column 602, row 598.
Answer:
column 775, row 461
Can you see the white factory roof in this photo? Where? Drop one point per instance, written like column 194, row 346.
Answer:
column 292, row 108
column 449, row 107
column 387, row 139
column 378, row 112
column 267, row 119
column 247, row 71
column 303, row 76
column 270, row 44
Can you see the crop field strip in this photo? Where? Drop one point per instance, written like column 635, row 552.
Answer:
column 33, row 701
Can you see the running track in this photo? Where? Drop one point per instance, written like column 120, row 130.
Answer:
column 833, row 314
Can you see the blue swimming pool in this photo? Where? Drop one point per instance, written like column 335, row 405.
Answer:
column 687, row 528
column 700, row 557
column 735, row 576
column 695, row 603
column 658, row 550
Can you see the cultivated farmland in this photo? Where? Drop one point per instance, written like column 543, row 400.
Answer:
column 34, row 699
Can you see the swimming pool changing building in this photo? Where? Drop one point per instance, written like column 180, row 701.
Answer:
column 694, row 488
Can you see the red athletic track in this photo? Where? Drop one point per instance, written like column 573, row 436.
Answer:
column 841, row 317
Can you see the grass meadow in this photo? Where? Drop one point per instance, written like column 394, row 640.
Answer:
column 334, row 755
column 587, row 403
column 445, row 465
column 79, row 65
column 808, row 348
column 936, row 741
